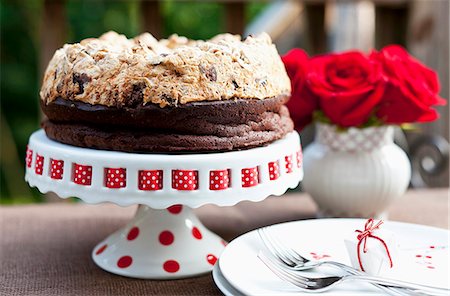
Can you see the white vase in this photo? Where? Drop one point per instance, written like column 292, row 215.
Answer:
column 355, row 173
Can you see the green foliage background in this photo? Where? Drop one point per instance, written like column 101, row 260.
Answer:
column 20, row 76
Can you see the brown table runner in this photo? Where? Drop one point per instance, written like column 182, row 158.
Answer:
column 45, row 249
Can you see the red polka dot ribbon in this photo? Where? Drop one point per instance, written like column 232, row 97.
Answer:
column 39, row 166
column 299, row 156
column 219, row 180
column 82, row 174
column 185, row 180
column 150, row 180
column 115, row 178
column 288, row 160
column 249, row 177
column 362, row 237
column 29, row 157
column 56, row 169
column 274, row 170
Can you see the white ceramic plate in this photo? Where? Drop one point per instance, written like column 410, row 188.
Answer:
column 224, row 286
column 423, row 252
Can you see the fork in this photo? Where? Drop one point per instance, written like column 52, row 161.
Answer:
column 292, row 259
column 322, row 284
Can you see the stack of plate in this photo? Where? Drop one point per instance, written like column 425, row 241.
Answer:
column 423, row 257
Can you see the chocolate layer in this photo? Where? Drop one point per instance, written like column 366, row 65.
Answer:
column 234, row 137
column 189, row 118
column 200, row 126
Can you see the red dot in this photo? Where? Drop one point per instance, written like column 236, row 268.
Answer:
column 171, row 266
column 196, row 233
column 429, row 257
column 430, row 267
column 101, row 249
column 418, row 256
column 166, row 238
column 432, row 247
column 134, row 232
column 175, row 209
column 124, row 262
column 211, row 259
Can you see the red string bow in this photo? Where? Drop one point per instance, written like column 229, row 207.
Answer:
column 363, row 235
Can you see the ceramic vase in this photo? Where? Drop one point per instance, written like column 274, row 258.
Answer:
column 356, row 172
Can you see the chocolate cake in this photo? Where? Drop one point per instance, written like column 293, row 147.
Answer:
column 171, row 95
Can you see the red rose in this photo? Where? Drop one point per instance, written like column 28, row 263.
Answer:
column 302, row 103
column 411, row 91
column 349, row 87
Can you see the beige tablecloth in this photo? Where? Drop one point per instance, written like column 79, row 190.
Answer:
column 45, row 249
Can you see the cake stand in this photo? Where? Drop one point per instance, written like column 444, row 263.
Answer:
column 165, row 239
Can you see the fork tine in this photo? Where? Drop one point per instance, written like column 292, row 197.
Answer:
column 294, row 254
column 282, row 268
column 274, row 247
column 289, row 253
column 282, row 273
column 280, row 248
column 297, row 255
column 311, row 283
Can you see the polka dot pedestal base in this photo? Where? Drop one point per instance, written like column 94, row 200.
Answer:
column 160, row 244
column 165, row 240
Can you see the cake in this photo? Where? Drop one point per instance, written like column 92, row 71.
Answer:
column 170, row 95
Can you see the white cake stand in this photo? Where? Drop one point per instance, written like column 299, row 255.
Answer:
column 165, row 239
